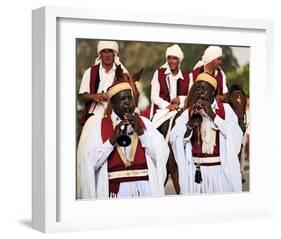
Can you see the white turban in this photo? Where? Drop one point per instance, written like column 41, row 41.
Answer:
column 113, row 45
column 175, row 50
column 211, row 53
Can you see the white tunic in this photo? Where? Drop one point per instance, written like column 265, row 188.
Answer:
column 162, row 114
column 221, row 178
column 171, row 81
column 106, row 80
column 92, row 157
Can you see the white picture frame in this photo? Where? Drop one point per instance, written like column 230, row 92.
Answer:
column 54, row 207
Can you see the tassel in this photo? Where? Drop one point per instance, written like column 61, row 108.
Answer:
column 198, row 175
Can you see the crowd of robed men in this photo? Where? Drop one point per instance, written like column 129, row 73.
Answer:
column 204, row 133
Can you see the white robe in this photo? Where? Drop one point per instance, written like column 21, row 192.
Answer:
column 92, row 156
column 222, row 178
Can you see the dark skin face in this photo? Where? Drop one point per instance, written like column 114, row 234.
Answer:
column 206, row 94
column 123, row 105
column 205, row 91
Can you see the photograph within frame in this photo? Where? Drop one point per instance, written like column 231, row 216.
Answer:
column 149, row 56
column 55, row 207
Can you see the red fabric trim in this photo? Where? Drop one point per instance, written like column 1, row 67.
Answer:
column 218, row 77
column 114, row 161
column 183, row 85
column 93, row 76
column 164, row 89
column 219, row 82
column 196, row 140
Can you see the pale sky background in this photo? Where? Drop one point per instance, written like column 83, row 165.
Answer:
column 242, row 54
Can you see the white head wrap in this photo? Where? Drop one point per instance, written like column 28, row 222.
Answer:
column 113, row 45
column 173, row 50
column 211, row 53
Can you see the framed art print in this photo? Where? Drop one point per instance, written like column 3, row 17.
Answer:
column 65, row 44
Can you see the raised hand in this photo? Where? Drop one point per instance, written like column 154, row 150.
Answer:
column 206, row 106
column 99, row 97
column 134, row 122
column 172, row 107
column 116, row 133
column 176, row 100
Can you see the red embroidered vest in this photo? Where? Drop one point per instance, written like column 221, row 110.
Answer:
column 196, row 140
column 94, row 85
column 182, row 89
column 114, row 160
column 218, row 77
column 182, row 85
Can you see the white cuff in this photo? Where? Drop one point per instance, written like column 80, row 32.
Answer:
column 219, row 122
column 185, row 140
column 182, row 99
column 144, row 139
column 108, row 146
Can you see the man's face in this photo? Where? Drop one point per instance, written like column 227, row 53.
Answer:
column 173, row 62
column 205, row 91
column 217, row 62
column 107, row 56
column 123, row 102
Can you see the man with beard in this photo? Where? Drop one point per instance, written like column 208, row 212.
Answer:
column 206, row 141
column 109, row 170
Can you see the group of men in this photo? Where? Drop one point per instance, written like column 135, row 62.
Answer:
column 205, row 140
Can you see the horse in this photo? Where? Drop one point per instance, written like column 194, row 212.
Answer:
column 131, row 79
column 164, row 129
column 238, row 101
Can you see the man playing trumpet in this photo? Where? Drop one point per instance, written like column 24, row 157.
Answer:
column 206, row 141
column 110, row 170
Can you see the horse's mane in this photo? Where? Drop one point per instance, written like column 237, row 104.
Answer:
column 191, row 97
column 131, row 79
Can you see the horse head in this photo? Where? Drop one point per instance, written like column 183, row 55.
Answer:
column 132, row 79
column 238, row 101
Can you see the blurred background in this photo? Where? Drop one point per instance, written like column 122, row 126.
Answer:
column 151, row 55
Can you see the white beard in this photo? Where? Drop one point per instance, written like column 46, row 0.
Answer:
column 208, row 134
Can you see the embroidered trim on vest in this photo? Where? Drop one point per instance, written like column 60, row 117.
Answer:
column 135, row 141
column 197, row 148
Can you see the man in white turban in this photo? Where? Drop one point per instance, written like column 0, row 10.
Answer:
column 206, row 141
column 211, row 63
column 98, row 78
column 169, row 88
column 169, row 84
column 108, row 170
